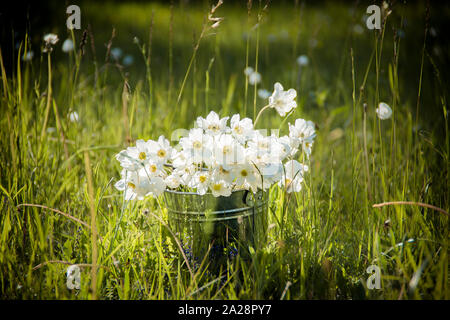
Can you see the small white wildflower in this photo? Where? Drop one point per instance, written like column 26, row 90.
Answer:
column 384, row 111
column 248, row 71
column 246, row 176
column 303, row 60
column 241, row 129
column 197, row 147
column 28, row 56
column 128, row 60
column 137, row 184
column 220, row 188
column 134, row 158
column 116, row 53
column 222, row 173
column 282, row 101
column 51, row 38
column 302, row 133
column 173, row 181
column 263, row 93
column 254, row 78
column 293, row 176
column 186, row 173
column 200, row 181
column 73, row 116
column 160, row 151
column 228, row 151
column 67, row 45
column 213, row 124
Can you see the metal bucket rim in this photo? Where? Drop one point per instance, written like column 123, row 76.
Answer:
column 197, row 194
column 218, row 212
column 215, row 219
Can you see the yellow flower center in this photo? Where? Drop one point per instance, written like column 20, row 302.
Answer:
column 288, row 181
column 263, row 145
column 161, row 153
column 244, row 173
column 131, row 185
column 153, row 168
column 142, row 156
column 213, row 127
column 226, row 150
column 202, row 179
column 238, row 129
column 217, row 187
column 197, row 144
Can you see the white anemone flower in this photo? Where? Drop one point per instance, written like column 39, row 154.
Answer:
column 271, row 173
column 157, row 185
column 213, row 124
column 220, row 188
column 153, row 168
column 293, row 176
column 302, row 133
column 173, row 181
column 186, row 173
column 241, row 129
column 263, row 150
column 134, row 158
column 67, row 45
column 282, row 101
column 285, row 148
column 200, row 181
column 135, row 184
column 160, row 151
column 384, row 111
column 221, row 172
column 228, row 151
column 198, row 147
column 246, row 176
column 248, row 71
column 254, row 78
column 179, row 159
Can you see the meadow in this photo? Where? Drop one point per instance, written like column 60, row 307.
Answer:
column 377, row 192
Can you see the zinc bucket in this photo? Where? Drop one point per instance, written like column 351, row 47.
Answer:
column 223, row 226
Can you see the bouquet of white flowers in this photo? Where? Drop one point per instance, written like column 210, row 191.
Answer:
column 220, row 158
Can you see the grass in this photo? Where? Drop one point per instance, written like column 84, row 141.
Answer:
column 59, row 206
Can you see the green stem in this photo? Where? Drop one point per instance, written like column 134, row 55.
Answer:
column 259, row 114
